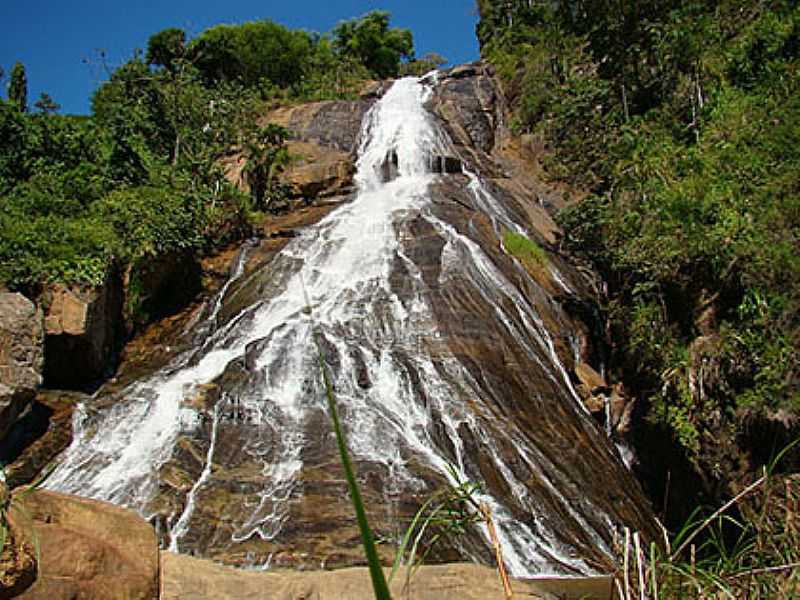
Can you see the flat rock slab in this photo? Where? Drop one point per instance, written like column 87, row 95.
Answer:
column 188, row 578
column 90, row 550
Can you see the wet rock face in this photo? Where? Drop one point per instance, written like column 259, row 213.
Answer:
column 456, row 352
column 466, row 100
column 21, row 356
column 445, row 164
column 38, row 436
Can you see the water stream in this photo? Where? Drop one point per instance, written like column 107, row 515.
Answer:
column 416, row 412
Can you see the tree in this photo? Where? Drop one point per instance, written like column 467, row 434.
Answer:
column 377, row 47
column 267, row 156
column 18, row 88
column 46, row 104
column 421, row 66
column 252, row 52
column 166, row 46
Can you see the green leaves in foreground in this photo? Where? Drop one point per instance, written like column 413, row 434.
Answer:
column 447, row 513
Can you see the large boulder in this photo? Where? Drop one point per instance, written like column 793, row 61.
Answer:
column 83, row 332
column 17, row 560
column 90, row 549
column 21, row 356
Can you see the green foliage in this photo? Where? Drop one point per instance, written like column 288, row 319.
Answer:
column 370, row 40
column 144, row 174
column 46, row 104
column 251, row 52
column 165, row 47
column 266, row 155
column 682, row 119
column 747, row 548
column 18, row 87
column 525, row 249
column 421, row 66
column 445, row 515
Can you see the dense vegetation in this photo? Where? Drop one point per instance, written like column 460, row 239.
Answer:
column 143, row 176
column 681, row 119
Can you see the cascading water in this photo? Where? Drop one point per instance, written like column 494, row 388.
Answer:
column 229, row 447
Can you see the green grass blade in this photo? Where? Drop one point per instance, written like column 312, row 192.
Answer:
column 401, row 550
column 368, row 541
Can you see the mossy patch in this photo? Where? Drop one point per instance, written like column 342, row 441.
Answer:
column 531, row 254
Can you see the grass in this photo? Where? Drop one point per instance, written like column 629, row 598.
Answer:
column 524, row 249
column 747, row 548
column 448, row 512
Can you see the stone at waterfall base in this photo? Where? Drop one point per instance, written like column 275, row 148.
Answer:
column 89, row 549
column 96, row 551
column 188, row 578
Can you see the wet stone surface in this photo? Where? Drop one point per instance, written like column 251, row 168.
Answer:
column 442, row 350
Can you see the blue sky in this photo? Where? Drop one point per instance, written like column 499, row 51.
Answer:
column 55, row 39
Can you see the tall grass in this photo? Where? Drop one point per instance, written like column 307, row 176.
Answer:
column 748, row 548
column 447, row 513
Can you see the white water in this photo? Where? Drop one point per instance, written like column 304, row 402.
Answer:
column 341, row 267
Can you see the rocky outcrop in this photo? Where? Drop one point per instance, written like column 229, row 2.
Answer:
column 472, row 110
column 609, row 404
column 317, row 172
column 83, row 332
column 21, row 356
column 90, row 550
column 38, row 436
column 323, row 138
column 331, row 124
column 466, row 100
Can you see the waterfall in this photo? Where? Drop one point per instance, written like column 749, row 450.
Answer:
column 415, row 411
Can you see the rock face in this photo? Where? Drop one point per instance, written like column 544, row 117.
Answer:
column 332, row 124
column 21, row 356
column 455, row 352
column 318, row 172
column 323, row 142
column 17, row 561
column 83, row 332
column 90, row 550
column 38, row 436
